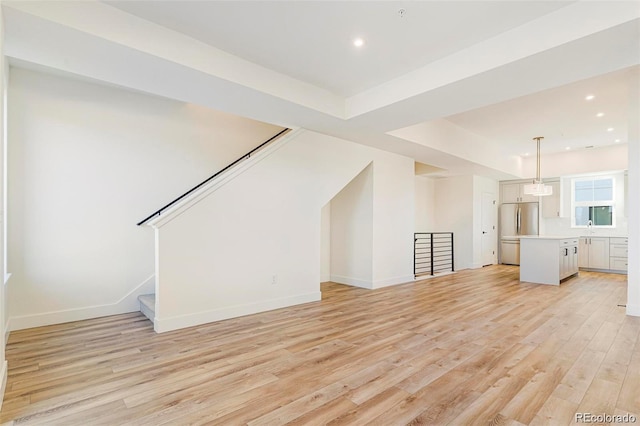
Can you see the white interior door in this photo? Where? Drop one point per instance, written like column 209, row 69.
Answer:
column 488, row 227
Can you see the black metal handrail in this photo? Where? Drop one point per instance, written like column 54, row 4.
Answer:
column 244, row 157
column 432, row 252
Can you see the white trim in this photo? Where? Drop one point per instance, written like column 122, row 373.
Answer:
column 215, row 184
column 633, row 310
column 7, row 276
column 128, row 303
column 162, row 325
column 156, row 254
column 3, row 386
column 394, row 281
column 355, row 282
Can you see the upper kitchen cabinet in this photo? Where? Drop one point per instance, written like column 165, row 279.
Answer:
column 551, row 203
column 513, row 192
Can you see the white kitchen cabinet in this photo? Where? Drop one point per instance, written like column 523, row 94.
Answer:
column 548, row 260
column 583, row 249
column 568, row 258
column 618, row 252
column 594, row 252
column 551, row 203
column 514, row 193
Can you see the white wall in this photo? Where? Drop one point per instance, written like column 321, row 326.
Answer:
column 367, row 220
column 459, row 210
column 218, row 257
column 425, row 205
column 3, row 330
column 393, row 219
column 352, row 232
column 325, row 243
column 86, row 163
column 454, row 198
column 633, row 290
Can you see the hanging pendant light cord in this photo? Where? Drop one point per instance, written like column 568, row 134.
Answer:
column 537, row 139
column 537, row 188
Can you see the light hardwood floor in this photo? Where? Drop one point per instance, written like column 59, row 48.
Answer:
column 475, row 347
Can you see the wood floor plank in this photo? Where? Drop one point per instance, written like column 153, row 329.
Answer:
column 474, row 347
column 575, row 383
column 411, row 407
column 325, row 413
column 601, row 398
column 629, row 398
column 555, row 411
column 488, row 406
column 524, row 406
column 365, row 413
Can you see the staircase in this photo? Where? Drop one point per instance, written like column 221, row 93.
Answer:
column 148, row 301
column 148, row 305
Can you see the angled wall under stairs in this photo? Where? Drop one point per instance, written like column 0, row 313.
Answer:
column 251, row 242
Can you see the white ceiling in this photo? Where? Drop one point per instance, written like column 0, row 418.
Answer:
column 312, row 40
column 561, row 115
column 459, row 85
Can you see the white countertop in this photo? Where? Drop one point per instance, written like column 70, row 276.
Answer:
column 547, row 237
column 557, row 237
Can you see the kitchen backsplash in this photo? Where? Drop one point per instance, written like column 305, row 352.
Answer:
column 562, row 226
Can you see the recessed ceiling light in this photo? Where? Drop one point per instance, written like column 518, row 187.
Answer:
column 589, row 97
column 568, row 148
column 600, row 114
column 610, row 129
column 358, row 42
column 526, row 154
column 617, row 140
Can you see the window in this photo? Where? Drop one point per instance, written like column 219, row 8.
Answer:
column 592, row 199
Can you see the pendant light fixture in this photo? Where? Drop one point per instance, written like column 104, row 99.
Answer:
column 537, row 188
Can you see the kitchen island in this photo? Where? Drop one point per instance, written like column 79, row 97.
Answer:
column 548, row 259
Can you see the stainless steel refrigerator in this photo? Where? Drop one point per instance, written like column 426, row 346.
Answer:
column 516, row 219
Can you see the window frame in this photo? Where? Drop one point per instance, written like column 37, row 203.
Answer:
column 595, row 203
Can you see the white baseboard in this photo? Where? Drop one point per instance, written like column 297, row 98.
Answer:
column 393, row 281
column 7, row 330
column 162, row 325
column 128, row 303
column 352, row 281
column 3, row 384
column 633, row 310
